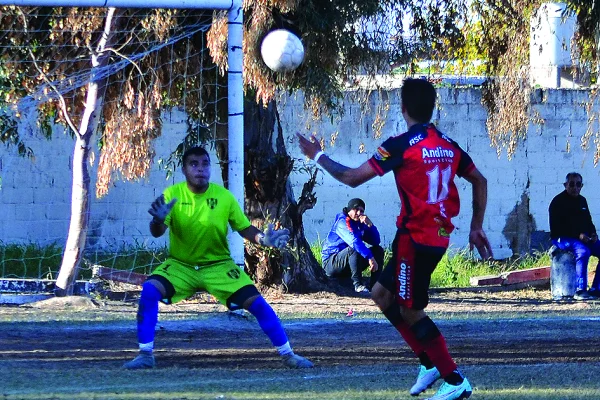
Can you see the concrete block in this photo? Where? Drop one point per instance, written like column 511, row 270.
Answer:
column 54, row 231
column 20, row 232
column 545, row 175
column 449, row 95
column 22, row 194
column 563, row 96
column 545, row 110
column 46, row 195
column 477, row 113
column 454, row 112
column 57, row 212
column 541, row 144
column 570, row 112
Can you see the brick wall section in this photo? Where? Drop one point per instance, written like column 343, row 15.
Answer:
column 35, row 196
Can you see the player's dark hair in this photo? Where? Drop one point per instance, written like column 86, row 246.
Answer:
column 194, row 151
column 573, row 175
column 418, row 98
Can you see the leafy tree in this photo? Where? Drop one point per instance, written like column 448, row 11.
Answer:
column 128, row 120
column 339, row 45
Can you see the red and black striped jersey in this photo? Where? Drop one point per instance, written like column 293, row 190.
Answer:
column 425, row 162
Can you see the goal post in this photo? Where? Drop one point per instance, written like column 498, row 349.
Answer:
column 235, row 93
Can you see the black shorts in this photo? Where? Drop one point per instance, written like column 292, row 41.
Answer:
column 408, row 274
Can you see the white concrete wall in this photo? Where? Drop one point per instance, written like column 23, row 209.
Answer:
column 520, row 189
column 35, row 196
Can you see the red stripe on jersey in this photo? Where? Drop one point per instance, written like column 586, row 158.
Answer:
column 376, row 167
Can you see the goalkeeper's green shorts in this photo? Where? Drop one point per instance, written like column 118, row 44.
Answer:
column 221, row 279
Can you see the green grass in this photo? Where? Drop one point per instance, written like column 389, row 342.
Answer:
column 568, row 381
column 29, row 260
column 43, row 262
column 458, row 266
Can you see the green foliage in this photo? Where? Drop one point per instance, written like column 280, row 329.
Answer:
column 316, row 249
column 457, row 267
column 29, row 261
column 456, row 270
column 43, row 262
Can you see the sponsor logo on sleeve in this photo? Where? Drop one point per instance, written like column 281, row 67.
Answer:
column 381, row 154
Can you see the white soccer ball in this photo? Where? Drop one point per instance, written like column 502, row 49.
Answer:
column 282, row 51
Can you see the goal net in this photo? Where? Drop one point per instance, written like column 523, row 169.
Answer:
column 159, row 91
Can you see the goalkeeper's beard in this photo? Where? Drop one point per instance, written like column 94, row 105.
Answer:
column 198, row 184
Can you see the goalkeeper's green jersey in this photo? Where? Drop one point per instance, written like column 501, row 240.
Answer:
column 198, row 223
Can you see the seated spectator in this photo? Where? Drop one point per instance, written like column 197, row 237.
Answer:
column 571, row 228
column 352, row 246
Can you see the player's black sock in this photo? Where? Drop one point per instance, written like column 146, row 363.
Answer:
column 455, row 378
column 425, row 361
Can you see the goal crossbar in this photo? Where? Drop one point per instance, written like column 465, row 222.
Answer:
column 234, row 78
column 200, row 4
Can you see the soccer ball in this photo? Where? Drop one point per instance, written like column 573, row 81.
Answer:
column 282, row 51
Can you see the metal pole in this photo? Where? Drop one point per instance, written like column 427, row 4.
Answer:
column 236, row 118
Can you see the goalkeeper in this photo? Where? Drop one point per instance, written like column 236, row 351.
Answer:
column 197, row 214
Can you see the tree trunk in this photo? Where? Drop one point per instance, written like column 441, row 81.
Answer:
column 270, row 199
column 80, row 196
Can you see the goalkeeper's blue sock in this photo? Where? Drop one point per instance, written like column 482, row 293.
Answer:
column 270, row 324
column 147, row 316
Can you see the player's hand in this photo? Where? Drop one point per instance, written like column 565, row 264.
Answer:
column 276, row 238
column 373, row 266
column 365, row 220
column 159, row 209
column 309, row 148
column 478, row 239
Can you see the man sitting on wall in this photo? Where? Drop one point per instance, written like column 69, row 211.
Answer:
column 571, row 228
column 345, row 252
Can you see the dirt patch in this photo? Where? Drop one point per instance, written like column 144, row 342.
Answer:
column 524, row 327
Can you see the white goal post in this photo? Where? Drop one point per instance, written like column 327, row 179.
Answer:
column 234, row 78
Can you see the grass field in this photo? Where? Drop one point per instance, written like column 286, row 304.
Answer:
column 43, row 262
column 512, row 346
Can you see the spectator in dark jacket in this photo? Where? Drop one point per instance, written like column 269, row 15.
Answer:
column 352, row 246
column 571, row 228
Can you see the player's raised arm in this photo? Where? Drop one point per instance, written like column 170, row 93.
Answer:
column 352, row 177
column 159, row 210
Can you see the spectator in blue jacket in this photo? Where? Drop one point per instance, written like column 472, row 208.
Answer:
column 352, row 246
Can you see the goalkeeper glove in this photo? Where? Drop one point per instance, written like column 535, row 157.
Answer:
column 159, row 209
column 275, row 238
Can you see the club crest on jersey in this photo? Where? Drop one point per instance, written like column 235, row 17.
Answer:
column 212, row 203
column 234, row 273
column 382, row 154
